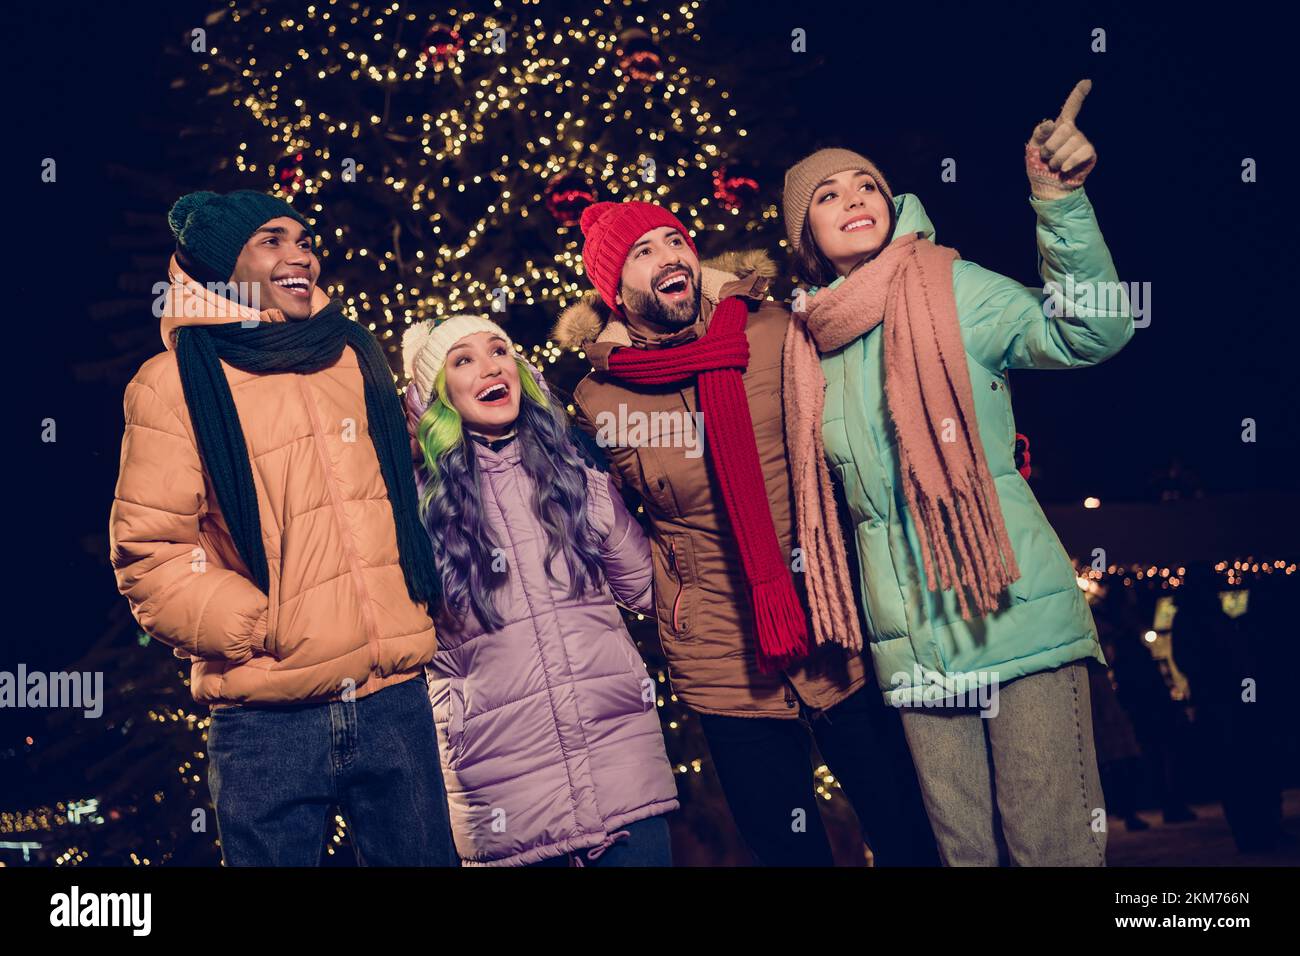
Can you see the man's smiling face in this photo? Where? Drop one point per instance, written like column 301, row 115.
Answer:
column 279, row 261
column 660, row 282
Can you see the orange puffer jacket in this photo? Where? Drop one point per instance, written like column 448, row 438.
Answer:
column 338, row 620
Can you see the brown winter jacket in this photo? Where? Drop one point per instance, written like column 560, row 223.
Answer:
column 705, row 617
column 338, row 619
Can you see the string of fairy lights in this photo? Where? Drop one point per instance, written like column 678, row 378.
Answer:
column 1235, row 574
column 549, row 92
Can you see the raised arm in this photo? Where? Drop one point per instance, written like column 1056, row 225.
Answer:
column 1082, row 315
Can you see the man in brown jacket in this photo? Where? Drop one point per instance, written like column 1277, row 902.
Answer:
column 263, row 526
column 758, row 699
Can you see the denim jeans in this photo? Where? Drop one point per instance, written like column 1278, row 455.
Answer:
column 644, row 843
column 765, row 767
column 275, row 772
column 1021, row 787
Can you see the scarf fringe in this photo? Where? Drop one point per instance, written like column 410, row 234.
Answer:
column 779, row 623
column 963, row 548
column 832, row 599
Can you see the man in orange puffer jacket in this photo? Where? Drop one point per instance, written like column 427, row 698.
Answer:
column 264, row 526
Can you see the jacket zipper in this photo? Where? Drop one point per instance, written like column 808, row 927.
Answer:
column 677, row 601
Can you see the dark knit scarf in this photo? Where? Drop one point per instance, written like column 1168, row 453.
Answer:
column 303, row 347
column 715, row 361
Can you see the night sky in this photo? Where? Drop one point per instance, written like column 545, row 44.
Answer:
column 1177, row 103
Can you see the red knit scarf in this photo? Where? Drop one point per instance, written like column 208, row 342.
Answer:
column 716, row 361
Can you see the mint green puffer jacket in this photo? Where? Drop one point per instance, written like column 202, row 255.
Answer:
column 918, row 638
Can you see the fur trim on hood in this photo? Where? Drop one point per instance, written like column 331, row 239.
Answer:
column 582, row 322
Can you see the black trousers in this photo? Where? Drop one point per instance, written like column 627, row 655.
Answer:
column 765, row 765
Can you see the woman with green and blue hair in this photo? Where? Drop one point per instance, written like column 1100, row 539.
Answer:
column 551, row 746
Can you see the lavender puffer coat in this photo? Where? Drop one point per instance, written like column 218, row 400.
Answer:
column 547, row 729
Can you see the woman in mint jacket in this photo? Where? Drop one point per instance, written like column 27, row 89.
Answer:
column 896, row 383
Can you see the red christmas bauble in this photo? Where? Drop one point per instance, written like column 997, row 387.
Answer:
column 639, row 56
column 567, row 194
column 289, row 174
column 441, row 46
column 734, row 185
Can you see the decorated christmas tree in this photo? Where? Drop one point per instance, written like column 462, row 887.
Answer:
column 446, row 158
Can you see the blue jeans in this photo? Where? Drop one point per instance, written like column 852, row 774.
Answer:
column 646, row 844
column 275, row 773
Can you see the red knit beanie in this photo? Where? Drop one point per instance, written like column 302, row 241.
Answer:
column 610, row 229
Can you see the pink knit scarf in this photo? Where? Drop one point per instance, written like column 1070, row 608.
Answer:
column 950, row 493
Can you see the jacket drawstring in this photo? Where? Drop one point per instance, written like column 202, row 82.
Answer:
column 595, row 852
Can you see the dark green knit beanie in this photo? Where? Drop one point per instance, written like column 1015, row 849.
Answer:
column 211, row 229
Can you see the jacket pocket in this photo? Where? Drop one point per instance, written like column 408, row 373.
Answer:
column 882, row 595
column 656, row 481
column 993, row 415
column 273, row 614
column 677, row 602
column 455, row 718
column 645, row 683
column 1044, row 565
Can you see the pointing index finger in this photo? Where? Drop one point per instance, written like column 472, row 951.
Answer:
column 1074, row 101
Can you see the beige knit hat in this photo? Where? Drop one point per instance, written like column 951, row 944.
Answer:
column 803, row 178
column 425, row 346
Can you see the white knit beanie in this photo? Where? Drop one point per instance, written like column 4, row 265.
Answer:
column 425, row 346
